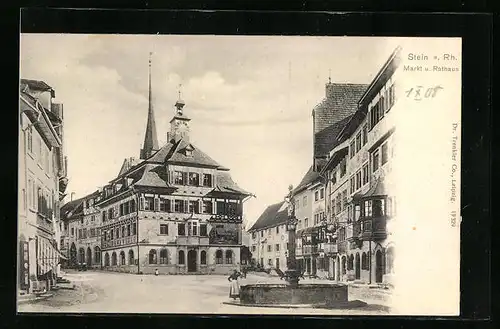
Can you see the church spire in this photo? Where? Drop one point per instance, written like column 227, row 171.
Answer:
column 150, row 139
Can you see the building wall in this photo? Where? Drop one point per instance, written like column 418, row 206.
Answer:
column 38, row 172
column 269, row 246
column 356, row 160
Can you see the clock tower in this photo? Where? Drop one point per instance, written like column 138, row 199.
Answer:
column 179, row 125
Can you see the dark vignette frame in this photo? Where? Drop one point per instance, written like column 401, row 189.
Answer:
column 476, row 30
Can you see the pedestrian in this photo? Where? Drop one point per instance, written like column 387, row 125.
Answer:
column 156, row 272
column 234, row 288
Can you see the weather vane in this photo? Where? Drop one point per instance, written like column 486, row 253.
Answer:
column 180, row 85
column 330, row 76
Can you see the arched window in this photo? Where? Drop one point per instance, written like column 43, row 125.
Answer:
column 163, row 256
column 364, row 261
column 152, row 257
column 122, row 258
column 97, row 255
column 344, row 267
column 117, row 232
column 81, row 256
column 203, row 257
column 106, row 259
column 131, row 260
column 113, row 259
column 229, row 256
column 389, row 258
column 219, row 257
column 123, row 232
column 181, row 257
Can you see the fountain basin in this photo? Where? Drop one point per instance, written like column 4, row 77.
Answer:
column 304, row 294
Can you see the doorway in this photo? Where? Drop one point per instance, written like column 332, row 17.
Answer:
column 73, row 255
column 314, row 266
column 379, row 267
column 191, row 261
column 89, row 257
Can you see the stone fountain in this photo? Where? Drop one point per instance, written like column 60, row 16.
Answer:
column 292, row 294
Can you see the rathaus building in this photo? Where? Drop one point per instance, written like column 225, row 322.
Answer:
column 175, row 209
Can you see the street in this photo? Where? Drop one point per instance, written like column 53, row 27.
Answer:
column 108, row 292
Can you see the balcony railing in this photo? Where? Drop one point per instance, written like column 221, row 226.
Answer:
column 330, row 248
column 309, row 249
column 192, row 240
column 119, row 242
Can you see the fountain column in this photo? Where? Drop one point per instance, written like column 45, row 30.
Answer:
column 292, row 273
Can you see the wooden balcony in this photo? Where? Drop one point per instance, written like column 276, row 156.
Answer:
column 330, row 248
column 192, row 240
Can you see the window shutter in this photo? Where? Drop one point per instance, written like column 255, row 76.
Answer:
column 141, row 203
column 157, row 204
column 184, row 178
column 186, row 206
column 171, row 177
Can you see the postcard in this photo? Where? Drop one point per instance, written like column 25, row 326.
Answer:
column 210, row 174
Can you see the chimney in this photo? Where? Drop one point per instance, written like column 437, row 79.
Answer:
column 71, row 196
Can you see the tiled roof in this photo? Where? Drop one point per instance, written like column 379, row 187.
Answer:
column 174, row 152
column 308, row 178
column 341, row 103
column 196, row 157
column 226, row 184
column 272, row 216
column 327, row 139
column 127, row 164
column 74, row 207
column 154, row 176
column 35, row 84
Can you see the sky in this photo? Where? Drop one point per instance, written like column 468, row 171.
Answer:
column 250, row 99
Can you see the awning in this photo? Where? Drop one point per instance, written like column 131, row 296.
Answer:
column 48, row 255
column 308, row 231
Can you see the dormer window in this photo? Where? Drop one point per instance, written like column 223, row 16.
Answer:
column 188, row 151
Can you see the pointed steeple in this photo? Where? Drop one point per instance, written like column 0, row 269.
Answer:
column 150, row 139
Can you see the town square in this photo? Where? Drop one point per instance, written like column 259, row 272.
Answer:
column 212, row 175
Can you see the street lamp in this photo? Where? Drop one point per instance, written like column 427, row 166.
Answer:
column 291, row 274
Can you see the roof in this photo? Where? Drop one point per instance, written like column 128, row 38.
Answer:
column 273, row 215
column 174, row 152
column 308, row 178
column 128, row 163
column 340, row 103
column 226, row 184
column 327, row 139
column 153, row 176
column 71, row 208
column 35, row 85
column 377, row 189
column 307, row 230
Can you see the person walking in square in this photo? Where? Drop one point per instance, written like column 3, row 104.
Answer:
column 234, row 288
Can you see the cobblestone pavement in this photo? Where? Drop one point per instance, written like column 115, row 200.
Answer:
column 106, row 292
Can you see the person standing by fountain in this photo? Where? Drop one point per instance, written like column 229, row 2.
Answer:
column 234, row 288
